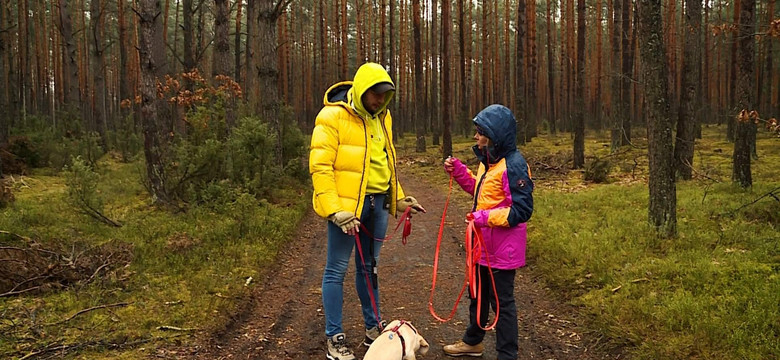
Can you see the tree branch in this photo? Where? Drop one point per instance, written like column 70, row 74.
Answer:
column 88, row 310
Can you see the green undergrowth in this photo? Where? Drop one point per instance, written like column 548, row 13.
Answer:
column 187, row 271
column 711, row 292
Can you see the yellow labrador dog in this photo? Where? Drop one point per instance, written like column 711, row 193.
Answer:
column 398, row 341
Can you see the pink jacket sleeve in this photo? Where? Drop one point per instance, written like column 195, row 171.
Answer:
column 463, row 176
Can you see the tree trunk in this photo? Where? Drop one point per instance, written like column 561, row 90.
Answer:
column 383, row 33
column 5, row 118
column 551, row 113
column 616, row 79
column 689, row 106
column 153, row 67
column 663, row 194
column 221, row 57
column 732, row 84
column 446, row 97
column 344, row 39
column 520, row 98
column 464, row 104
column 98, row 71
column 125, row 92
column 626, row 73
column 436, row 62
column 579, row 117
column 250, row 63
column 599, row 108
column 418, row 79
column 323, row 53
column 533, row 97
column 236, row 44
column 267, row 70
column 769, row 76
column 71, row 61
column 744, row 137
column 187, row 30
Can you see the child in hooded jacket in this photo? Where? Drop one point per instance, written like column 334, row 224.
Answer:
column 503, row 202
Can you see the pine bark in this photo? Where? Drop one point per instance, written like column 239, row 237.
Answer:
column 628, row 61
column 418, row 79
column 744, row 138
column 617, row 113
column 446, row 118
column 221, row 58
column 236, row 43
column 579, row 116
column 153, row 67
column 732, row 84
column 689, row 104
column 98, row 70
column 5, row 117
column 533, row 66
column 250, row 63
column 520, row 99
column 551, row 113
column 70, row 61
column 663, row 194
column 267, row 69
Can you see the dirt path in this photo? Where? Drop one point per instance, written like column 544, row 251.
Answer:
column 285, row 319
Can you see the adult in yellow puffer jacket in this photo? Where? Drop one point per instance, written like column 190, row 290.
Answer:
column 353, row 168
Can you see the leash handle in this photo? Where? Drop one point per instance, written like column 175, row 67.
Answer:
column 406, row 219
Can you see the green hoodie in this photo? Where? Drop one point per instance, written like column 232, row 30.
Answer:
column 368, row 75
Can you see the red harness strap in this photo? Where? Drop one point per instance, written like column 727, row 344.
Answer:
column 401, row 337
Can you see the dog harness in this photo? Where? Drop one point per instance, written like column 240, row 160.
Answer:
column 395, row 330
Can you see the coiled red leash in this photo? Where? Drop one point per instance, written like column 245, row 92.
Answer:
column 473, row 279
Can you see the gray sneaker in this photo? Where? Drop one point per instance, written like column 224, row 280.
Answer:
column 338, row 348
column 373, row 333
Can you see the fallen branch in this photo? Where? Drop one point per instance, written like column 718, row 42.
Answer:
column 88, row 310
column 771, row 193
column 174, row 328
column 20, row 237
column 64, row 349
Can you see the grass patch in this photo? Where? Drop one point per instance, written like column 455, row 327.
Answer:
column 188, row 270
column 710, row 293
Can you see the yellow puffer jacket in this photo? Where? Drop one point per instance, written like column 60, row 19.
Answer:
column 339, row 158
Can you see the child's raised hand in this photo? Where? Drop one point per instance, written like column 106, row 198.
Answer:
column 448, row 166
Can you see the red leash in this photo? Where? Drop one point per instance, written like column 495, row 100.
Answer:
column 473, row 279
column 406, row 219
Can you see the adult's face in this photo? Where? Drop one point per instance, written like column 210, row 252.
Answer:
column 372, row 100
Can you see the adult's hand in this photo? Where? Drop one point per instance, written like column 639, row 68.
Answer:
column 347, row 221
column 409, row 202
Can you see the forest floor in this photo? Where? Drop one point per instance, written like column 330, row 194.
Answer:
column 283, row 317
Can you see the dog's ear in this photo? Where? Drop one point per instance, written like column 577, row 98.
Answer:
column 423, row 346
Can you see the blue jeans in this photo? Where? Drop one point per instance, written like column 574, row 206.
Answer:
column 374, row 217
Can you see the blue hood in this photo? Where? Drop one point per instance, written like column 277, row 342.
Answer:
column 499, row 124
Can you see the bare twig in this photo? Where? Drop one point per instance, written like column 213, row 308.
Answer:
column 88, row 310
column 11, row 293
column 16, row 235
column 174, row 328
column 771, row 193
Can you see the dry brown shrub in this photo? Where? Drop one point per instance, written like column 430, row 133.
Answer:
column 26, row 265
column 181, row 242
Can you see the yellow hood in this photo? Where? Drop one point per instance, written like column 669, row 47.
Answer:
column 368, row 75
